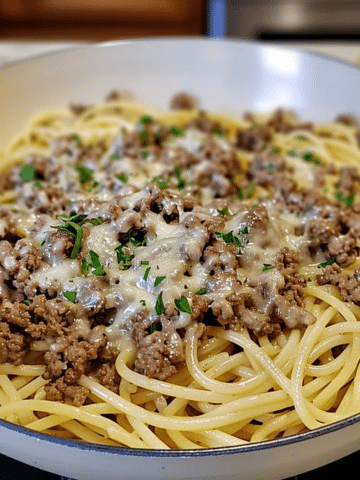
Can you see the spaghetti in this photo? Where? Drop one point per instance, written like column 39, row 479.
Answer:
column 179, row 279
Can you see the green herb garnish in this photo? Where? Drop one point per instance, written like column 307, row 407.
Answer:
column 224, row 211
column 27, row 173
column 145, row 119
column 330, row 261
column 75, row 136
column 229, row 237
column 183, row 304
column 159, row 305
column 114, row 156
column 27, row 302
column 124, row 257
column 158, row 280
column 85, row 174
column 123, row 177
column 201, row 291
column 71, row 296
column 348, row 201
column 160, row 182
column 176, row 131
column 311, row 158
column 146, row 274
column 181, row 181
column 267, row 266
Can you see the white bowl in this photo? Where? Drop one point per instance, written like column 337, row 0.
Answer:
column 228, row 76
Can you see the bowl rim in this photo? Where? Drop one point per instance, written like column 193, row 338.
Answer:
column 82, row 46
column 181, row 453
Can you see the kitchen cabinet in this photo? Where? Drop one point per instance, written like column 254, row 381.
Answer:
column 99, row 20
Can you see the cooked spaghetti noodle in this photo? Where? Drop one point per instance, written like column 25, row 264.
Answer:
column 179, row 279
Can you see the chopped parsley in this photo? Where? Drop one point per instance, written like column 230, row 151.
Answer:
column 224, row 211
column 302, row 137
column 183, row 304
column 181, row 181
column 94, row 263
column 229, row 237
column 153, row 327
column 267, row 266
column 275, row 149
column 146, row 274
column 311, row 158
column 114, row 156
column 75, row 136
column 27, row 302
column 144, row 137
column 123, row 177
column 124, row 256
column 159, row 305
column 71, row 296
column 162, row 184
column 348, row 201
column 72, row 225
column 145, row 119
column 201, row 291
column 329, row 261
column 27, row 173
column 86, row 175
column 144, row 262
column 143, row 303
column 145, row 153
column 251, row 189
column 176, row 131
column 292, row 153
column 158, row 280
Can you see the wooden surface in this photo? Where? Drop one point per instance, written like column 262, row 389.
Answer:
column 99, row 20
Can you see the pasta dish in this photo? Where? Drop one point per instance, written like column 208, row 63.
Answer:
column 181, row 279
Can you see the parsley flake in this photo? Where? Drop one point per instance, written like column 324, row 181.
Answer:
column 329, row 261
column 27, row 173
column 267, row 266
column 114, row 156
column 159, row 305
column 183, row 304
column 348, row 201
column 158, row 280
column 71, row 296
column 146, row 274
column 201, row 291
column 123, row 177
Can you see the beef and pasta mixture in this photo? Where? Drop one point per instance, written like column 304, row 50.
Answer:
column 132, row 238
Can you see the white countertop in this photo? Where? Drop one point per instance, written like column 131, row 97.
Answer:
column 11, row 50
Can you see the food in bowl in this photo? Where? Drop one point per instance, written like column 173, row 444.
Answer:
column 179, row 279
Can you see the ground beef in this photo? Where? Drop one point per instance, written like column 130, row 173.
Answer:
column 204, row 123
column 280, row 123
column 347, row 180
column 78, row 108
column 348, row 120
column 348, row 284
column 183, row 101
column 253, row 139
column 13, row 344
column 264, row 166
column 288, row 263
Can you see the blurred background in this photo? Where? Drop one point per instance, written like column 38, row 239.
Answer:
column 100, row 20
column 327, row 26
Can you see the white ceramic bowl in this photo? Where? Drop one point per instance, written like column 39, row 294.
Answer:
column 228, row 76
